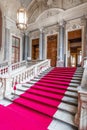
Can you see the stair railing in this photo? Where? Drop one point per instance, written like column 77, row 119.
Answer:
column 22, row 76
column 18, row 65
column 81, row 115
column 4, row 69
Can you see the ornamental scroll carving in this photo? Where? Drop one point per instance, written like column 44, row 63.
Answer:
column 48, row 13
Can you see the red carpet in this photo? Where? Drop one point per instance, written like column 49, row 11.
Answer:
column 34, row 109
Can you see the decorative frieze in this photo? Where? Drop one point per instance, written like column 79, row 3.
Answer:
column 51, row 29
column 71, row 3
column 34, row 34
column 74, row 24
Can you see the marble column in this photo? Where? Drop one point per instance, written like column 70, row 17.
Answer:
column 41, row 45
column 26, row 46
column 61, row 44
column 23, row 47
column 6, row 46
column 84, row 36
column 25, row 42
column 29, row 47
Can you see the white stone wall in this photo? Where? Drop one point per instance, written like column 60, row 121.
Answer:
column 9, row 11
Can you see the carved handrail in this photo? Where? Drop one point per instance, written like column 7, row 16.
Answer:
column 18, row 65
column 30, row 72
column 4, row 63
column 12, row 67
column 3, row 70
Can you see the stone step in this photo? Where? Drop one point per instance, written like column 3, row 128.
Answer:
column 19, row 92
column 70, row 100
column 5, row 102
column 71, row 94
column 55, row 124
column 75, row 81
column 73, row 89
column 76, row 78
column 66, row 99
column 67, row 93
column 67, row 107
column 72, row 81
column 65, row 117
column 63, row 106
column 74, row 84
column 23, row 88
column 76, row 75
column 71, row 84
column 80, row 73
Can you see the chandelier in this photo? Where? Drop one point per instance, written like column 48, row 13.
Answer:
column 21, row 19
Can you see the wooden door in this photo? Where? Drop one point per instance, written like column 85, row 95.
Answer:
column 52, row 49
column 35, row 49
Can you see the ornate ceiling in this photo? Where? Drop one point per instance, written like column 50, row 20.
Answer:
column 39, row 6
column 64, row 3
column 25, row 3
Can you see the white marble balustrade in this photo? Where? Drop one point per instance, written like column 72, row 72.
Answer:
column 23, row 75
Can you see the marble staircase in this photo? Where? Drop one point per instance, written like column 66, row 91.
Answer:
column 65, row 114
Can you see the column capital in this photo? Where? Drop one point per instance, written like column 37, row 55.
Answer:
column 62, row 23
column 41, row 29
column 26, row 33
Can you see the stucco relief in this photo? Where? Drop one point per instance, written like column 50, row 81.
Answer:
column 71, row 3
column 73, row 25
column 40, row 6
column 48, row 14
column 33, row 17
column 51, row 30
column 34, row 34
column 35, row 10
column 54, row 3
